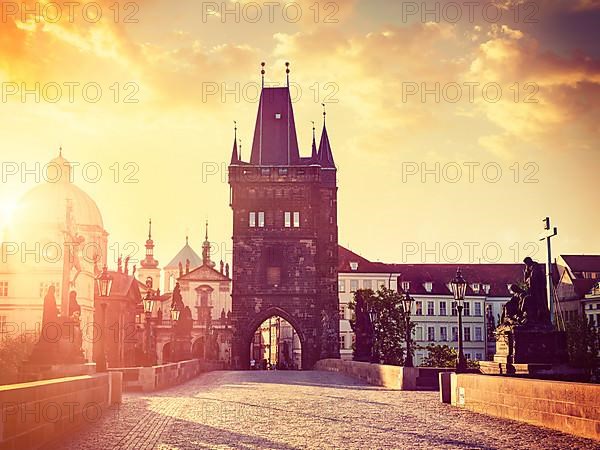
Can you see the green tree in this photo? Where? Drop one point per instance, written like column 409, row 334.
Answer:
column 389, row 326
column 582, row 343
column 444, row 356
column 13, row 351
column 439, row 356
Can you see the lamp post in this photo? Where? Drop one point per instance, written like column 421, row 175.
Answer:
column 407, row 301
column 104, row 285
column 459, row 288
column 373, row 315
column 176, row 308
column 148, row 307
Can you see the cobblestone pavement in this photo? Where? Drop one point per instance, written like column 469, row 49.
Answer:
column 302, row 410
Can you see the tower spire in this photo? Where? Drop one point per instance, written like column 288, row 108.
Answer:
column 325, row 153
column 287, row 73
column 206, row 250
column 314, row 155
column 150, row 229
column 235, row 158
column 149, row 262
column 262, row 73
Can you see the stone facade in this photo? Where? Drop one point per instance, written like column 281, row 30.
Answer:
column 284, row 238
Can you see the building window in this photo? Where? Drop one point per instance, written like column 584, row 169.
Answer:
column 478, row 356
column 467, row 333
column 265, row 171
column 454, row 310
column 486, row 288
column 478, row 334
column 342, row 342
column 261, row 219
column 419, row 333
column 380, row 284
column 367, row 284
column 341, row 285
column 274, row 276
column 430, row 308
column 353, row 285
column 431, row 333
column 287, row 219
column 354, row 266
column 342, row 312
column 428, row 286
column 454, row 334
column 443, row 308
column 419, row 308
column 296, row 219
column 252, row 219
column 467, row 309
column 467, row 355
column 3, row 288
column 405, row 286
column 443, row 334
column 475, row 287
column 45, row 286
column 2, row 324
column 283, row 171
column 478, row 309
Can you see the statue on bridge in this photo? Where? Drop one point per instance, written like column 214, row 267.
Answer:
column 525, row 336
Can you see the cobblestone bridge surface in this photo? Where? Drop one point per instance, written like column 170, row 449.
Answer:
column 301, row 410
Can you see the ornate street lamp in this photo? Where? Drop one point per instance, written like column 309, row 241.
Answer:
column 104, row 284
column 175, row 312
column 148, row 303
column 459, row 288
column 407, row 302
column 373, row 316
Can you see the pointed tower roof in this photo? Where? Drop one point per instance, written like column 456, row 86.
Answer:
column 186, row 253
column 206, row 250
column 275, row 141
column 325, row 153
column 314, row 154
column 149, row 262
column 235, row 156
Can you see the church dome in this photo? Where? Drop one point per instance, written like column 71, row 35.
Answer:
column 45, row 204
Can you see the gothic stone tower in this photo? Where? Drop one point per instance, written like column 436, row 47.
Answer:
column 285, row 235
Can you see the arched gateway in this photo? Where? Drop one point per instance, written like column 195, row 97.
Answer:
column 284, row 235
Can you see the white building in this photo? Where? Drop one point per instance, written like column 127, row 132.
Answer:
column 433, row 310
column 33, row 251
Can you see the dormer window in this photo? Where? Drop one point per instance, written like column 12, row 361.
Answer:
column 354, row 265
column 475, row 287
column 405, row 285
column 277, row 116
column 486, row 288
column 428, row 285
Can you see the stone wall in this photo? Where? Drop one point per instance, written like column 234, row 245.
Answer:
column 392, row 377
column 148, row 379
column 35, row 413
column 565, row 406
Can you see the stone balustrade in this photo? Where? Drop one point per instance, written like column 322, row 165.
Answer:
column 152, row 378
column 392, row 377
column 565, row 406
column 35, row 413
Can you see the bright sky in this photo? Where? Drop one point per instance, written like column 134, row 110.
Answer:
column 193, row 69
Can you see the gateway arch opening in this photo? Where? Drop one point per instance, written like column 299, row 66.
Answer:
column 276, row 346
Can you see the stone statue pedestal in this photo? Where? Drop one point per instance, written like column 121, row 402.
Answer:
column 535, row 352
column 520, row 345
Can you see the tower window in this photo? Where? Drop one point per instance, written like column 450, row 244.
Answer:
column 261, row 219
column 256, row 219
column 252, row 219
column 3, row 288
column 296, row 219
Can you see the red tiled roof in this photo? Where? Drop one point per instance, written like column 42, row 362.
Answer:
column 498, row 276
column 582, row 263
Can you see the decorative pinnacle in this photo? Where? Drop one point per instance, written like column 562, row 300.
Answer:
column 287, row 72
column 150, row 228
column 262, row 73
column 324, row 112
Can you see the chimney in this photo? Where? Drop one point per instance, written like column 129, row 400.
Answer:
column 222, row 264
